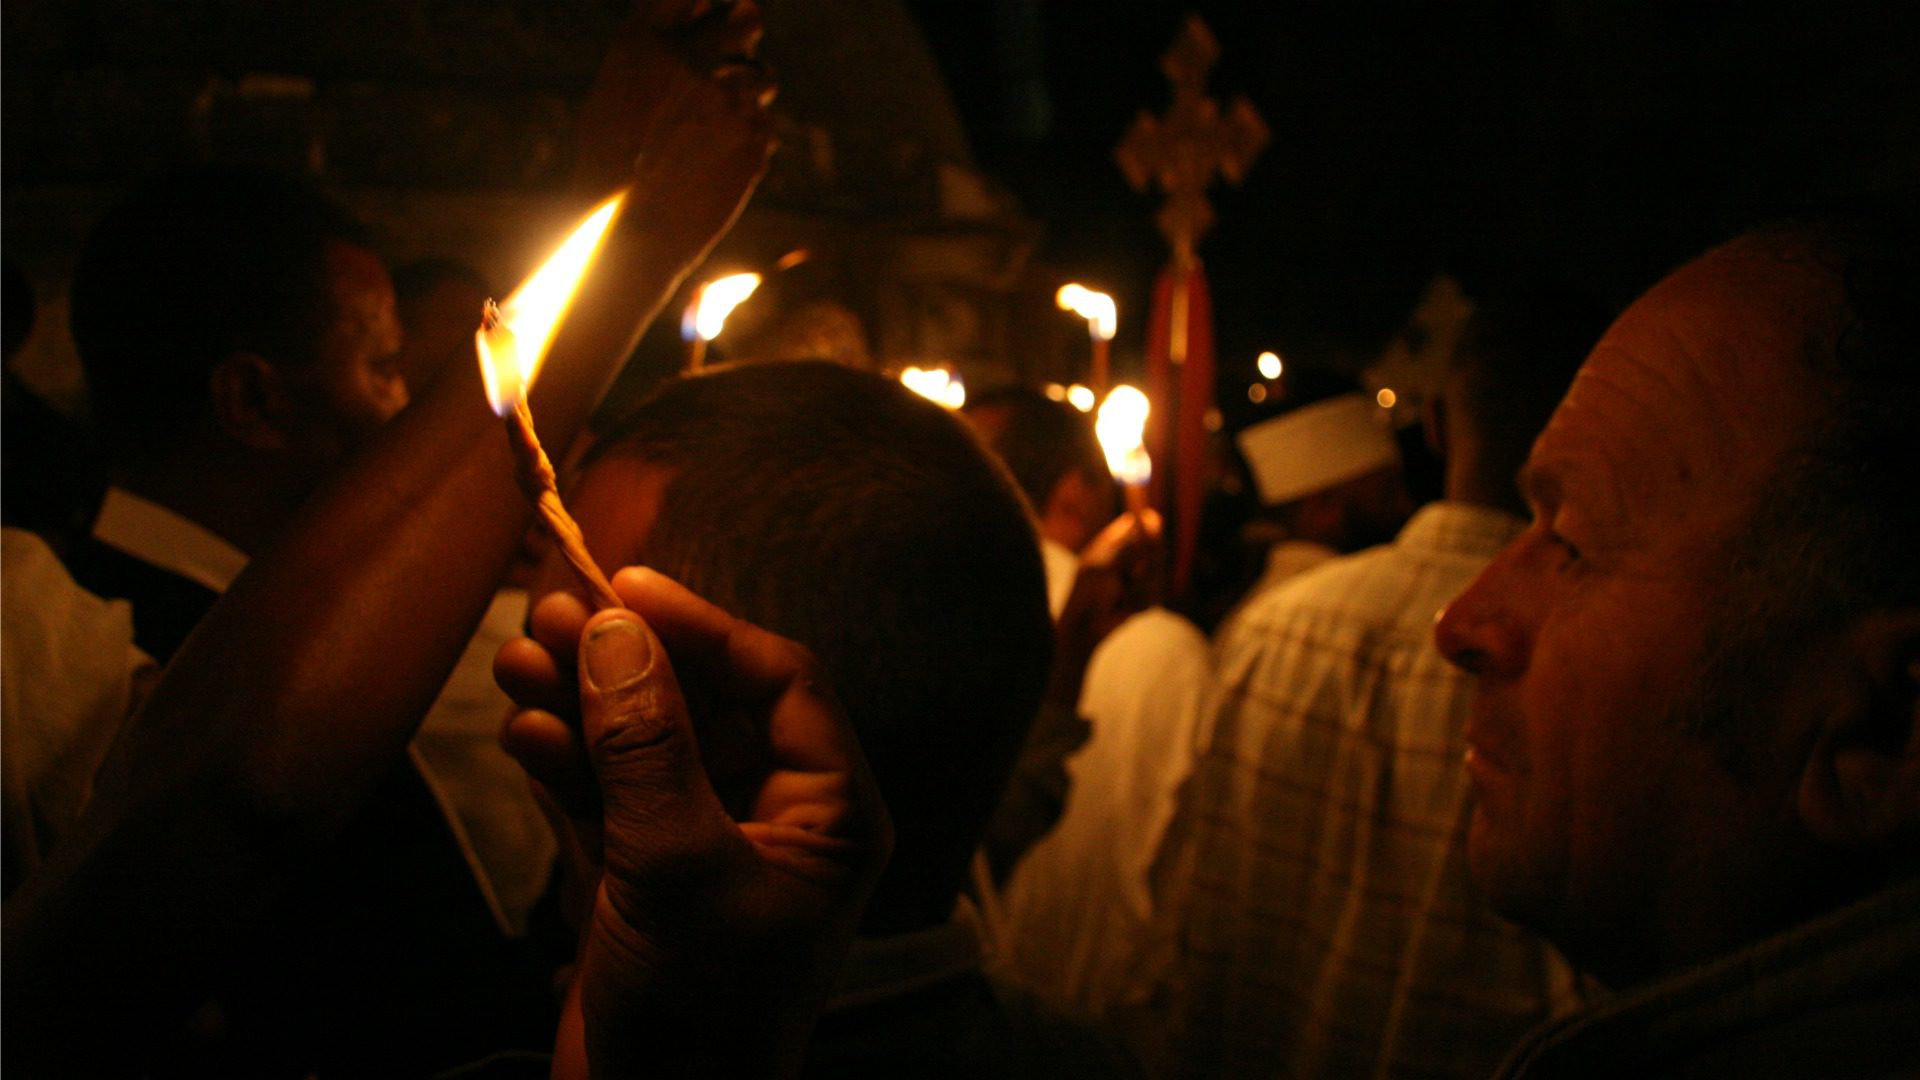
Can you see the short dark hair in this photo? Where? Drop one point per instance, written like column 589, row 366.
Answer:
column 192, row 268
column 1043, row 440
column 1836, row 528
column 838, row 509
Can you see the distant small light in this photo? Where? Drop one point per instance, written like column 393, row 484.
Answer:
column 1269, row 365
column 1257, row 393
column 1056, row 392
column 1080, row 397
column 1386, row 397
column 1213, row 421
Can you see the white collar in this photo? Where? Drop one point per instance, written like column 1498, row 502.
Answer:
column 151, row 532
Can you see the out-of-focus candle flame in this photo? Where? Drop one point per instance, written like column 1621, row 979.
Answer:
column 1121, row 426
column 1095, row 307
column 1269, row 365
column 715, row 300
column 1386, row 398
column 1080, row 397
column 936, row 384
column 514, row 338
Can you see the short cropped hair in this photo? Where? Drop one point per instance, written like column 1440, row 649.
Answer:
column 836, row 508
column 1043, row 441
column 193, row 268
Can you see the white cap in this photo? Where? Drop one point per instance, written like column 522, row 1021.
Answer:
column 1316, row 447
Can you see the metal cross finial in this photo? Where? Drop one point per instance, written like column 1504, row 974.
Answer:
column 1193, row 142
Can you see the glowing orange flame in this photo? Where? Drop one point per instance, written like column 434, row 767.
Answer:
column 1095, row 307
column 713, row 302
column 936, row 384
column 1121, row 425
column 514, row 339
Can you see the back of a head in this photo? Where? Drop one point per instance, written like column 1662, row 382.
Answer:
column 1839, row 525
column 838, row 509
column 193, row 268
column 1039, row 439
column 1515, row 359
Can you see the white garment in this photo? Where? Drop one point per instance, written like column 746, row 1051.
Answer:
column 1062, row 567
column 1077, row 911
column 1286, row 560
column 67, row 665
column 1316, row 868
column 481, row 791
column 154, row 534
column 506, row 837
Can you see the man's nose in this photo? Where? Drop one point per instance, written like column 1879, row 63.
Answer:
column 1477, row 633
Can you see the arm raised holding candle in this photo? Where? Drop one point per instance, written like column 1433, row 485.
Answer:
column 308, row 678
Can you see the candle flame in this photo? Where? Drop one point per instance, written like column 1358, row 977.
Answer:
column 713, row 302
column 513, row 339
column 1080, row 397
column 1269, row 365
column 1095, row 307
column 936, row 384
column 1121, row 426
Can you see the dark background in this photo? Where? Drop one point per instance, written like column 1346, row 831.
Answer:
column 1610, row 138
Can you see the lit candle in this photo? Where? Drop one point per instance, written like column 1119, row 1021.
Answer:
column 1121, row 426
column 1103, row 319
column 512, row 342
column 936, row 384
column 707, row 315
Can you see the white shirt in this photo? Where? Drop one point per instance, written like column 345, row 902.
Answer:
column 67, row 666
column 154, row 534
column 481, row 791
column 1062, row 567
column 1077, row 912
column 1317, row 869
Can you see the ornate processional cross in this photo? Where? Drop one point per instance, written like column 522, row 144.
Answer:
column 1183, row 150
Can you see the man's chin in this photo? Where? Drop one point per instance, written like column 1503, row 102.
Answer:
column 1494, row 869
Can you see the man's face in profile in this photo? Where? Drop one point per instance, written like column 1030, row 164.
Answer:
column 1598, row 813
column 354, row 384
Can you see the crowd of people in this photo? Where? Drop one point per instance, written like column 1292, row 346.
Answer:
column 898, row 759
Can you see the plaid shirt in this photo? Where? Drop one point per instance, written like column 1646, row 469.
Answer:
column 1318, row 866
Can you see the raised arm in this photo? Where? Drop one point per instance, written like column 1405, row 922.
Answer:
column 309, row 677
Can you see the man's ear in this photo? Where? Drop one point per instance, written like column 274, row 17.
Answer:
column 1861, row 786
column 250, row 401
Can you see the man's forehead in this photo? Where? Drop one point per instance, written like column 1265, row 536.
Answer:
column 1697, row 390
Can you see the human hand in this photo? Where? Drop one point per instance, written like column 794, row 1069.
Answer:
column 678, row 112
column 736, row 859
column 1115, row 579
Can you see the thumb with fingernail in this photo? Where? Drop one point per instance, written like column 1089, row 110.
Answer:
column 639, row 740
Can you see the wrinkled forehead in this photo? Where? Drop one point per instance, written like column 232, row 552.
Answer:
column 1700, row 388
